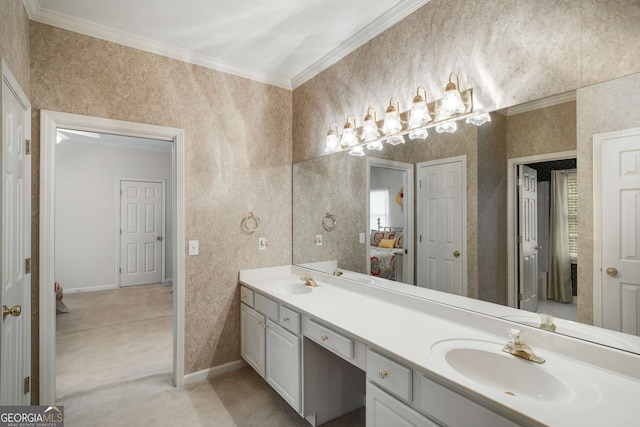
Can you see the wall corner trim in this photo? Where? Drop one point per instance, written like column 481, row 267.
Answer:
column 216, row 371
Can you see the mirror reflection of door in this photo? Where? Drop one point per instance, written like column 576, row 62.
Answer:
column 620, row 219
column 390, row 249
column 441, row 224
column 528, row 238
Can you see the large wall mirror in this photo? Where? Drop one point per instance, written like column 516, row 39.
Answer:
column 447, row 201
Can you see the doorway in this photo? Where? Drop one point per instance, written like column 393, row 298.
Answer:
column 51, row 122
column 390, row 218
column 542, row 234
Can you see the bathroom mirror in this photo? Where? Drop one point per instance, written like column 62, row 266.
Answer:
column 340, row 185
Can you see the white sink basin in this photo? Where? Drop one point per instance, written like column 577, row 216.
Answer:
column 291, row 287
column 485, row 364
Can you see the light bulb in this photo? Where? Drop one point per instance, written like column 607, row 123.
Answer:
column 331, row 143
column 391, row 120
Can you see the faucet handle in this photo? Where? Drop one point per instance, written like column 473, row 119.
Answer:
column 515, row 334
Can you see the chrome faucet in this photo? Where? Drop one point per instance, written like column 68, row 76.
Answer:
column 546, row 322
column 517, row 347
column 308, row 280
column 337, row 273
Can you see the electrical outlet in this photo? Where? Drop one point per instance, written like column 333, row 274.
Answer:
column 194, row 247
column 318, row 239
column 362, row 238
column 262, row 243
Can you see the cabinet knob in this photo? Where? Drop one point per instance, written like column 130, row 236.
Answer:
column 383, row 374
column 324, row 338
column 286, row 319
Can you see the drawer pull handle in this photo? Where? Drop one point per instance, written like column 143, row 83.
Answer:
column 244, row 296
column 383, row 374
column 286, row 319
column 324, row 338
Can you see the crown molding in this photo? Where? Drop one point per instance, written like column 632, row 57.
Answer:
column 390, row 18
column 549, row 101
column 92, row 29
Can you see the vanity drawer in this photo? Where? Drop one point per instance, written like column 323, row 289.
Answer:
column 332, row 340
column 389, row 374
column 266, row 306
column 289, row 319
column 246, row 296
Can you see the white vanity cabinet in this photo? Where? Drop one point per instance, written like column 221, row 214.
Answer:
column 383, row 410
column 270, row 349
column 252, row 338
column 283, row 363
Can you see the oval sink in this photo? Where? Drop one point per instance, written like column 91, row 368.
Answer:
column 292, row 287
column 484, row 363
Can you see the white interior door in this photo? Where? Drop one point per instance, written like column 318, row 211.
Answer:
column 15, row 341
column 620, row 215
column 141, row 237
column 442, row 225
column 528, row 237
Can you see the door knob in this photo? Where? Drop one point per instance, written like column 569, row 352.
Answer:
column 611, row 271
column 159, row 238
column 456, row 254
column 14, row 311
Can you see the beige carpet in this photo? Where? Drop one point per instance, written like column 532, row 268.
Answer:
column 113, row 336
column 114, row 368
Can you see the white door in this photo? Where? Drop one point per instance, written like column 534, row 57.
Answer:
column 620, row 215
column 141, row 237
column 528, row 237
column 441, row 225
column 15, row 341
column 283, row 363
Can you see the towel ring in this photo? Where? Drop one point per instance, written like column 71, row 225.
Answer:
column 329, row 222
column 251, row 222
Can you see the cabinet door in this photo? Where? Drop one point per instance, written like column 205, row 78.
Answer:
column 252, row 347
column 283, row 363
column 384, row 411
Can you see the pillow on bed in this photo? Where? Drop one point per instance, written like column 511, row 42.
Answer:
column 399, row 241
column 387, row 243
column 376, row 237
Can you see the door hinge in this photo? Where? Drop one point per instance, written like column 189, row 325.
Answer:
column 27, row 266
column 27, row 385
column 519, row 239
column 420, row 184
column 120, row 270
column 520, row 297
column 420, row 238
column 519, row 182
column 27, row 146
column 121, row 231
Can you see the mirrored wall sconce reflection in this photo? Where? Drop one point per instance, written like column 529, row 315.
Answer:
column 441, row 114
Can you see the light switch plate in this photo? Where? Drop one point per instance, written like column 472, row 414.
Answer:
column 194, row 247
column 318, row 239
column 362, row 238
column 262, row 243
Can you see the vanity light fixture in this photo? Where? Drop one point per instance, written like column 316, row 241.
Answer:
column 451, row 100
column 357, row 151
column 331, row 143
column 419, row 115
column 349, row 138
column 447, row 127
column 392, row 122
column 479, row 119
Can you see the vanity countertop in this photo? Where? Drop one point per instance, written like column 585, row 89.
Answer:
column 406, row 328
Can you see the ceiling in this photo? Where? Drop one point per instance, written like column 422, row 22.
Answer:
column 278, row 42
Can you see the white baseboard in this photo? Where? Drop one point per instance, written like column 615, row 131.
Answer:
column 89, row 289
column 168, row 283
column 205, row 374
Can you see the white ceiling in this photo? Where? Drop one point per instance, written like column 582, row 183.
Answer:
column 279, row 42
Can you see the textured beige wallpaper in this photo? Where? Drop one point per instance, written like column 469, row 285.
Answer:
column 599, row 111
column 238, row 159
column 543, row 131
column 14, row 40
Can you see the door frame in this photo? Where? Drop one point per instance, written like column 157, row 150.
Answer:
column 9, row 79
column 465, row 187
column 512, row 208
column 118, row 222
column 50, row 121
column 598, row 142
column 408, row 232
